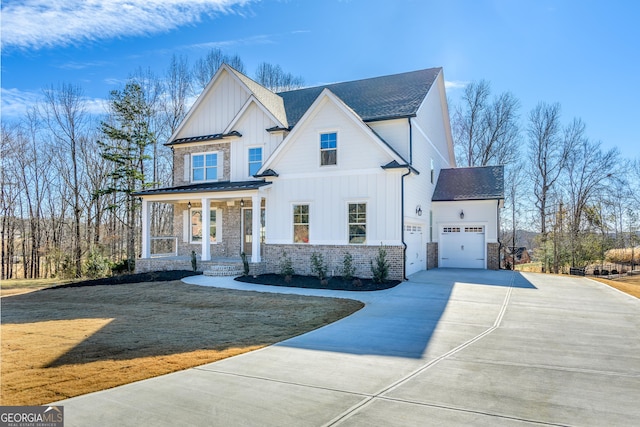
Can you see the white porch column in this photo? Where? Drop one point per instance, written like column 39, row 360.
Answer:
column 146, row 228
column 206, row 227
column 255, row 228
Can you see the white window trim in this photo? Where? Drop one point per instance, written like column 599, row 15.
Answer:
column 218, row 225
column 218, row 154
column 247, row 162
column 321, row 132
column 366, row 224
column 293, row 224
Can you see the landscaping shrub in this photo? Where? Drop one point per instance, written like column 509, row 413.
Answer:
column 286, row 266
column 97, row 265
column 318, row 266
column 348, row 269
column 245, row 264
column 380, row 266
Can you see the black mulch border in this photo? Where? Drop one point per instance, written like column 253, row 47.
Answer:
column 335, row 283
column 153, row 276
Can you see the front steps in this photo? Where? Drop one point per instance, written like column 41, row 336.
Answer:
column 224, row 270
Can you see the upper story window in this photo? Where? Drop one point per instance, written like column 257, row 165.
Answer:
column 255, row 160
column 300, row 223
column 204, row 167
column 328, row 149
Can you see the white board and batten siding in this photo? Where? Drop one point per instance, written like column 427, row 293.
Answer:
column 214, row 113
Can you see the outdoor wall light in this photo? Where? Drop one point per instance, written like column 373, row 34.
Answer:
column 242, row 203
column 189, row 205
column 461, row 214
column 419, row 210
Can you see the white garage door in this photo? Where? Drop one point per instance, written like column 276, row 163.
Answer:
column 416, row 249
column 462, row 247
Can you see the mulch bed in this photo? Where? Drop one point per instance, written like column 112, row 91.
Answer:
column 154, row 276
column 311, row 282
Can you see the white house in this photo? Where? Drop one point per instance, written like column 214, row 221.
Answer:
column 334, row 169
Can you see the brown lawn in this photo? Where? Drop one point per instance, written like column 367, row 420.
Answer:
column 627, row 284
column 59, row 343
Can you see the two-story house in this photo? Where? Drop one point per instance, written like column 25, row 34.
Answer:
column 334, row 169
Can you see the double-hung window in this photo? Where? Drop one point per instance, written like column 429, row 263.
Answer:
column 204, row 167
column 300, row 223
column 328, row 149
column 196, row 226
column 255, row 160
column 357, row 223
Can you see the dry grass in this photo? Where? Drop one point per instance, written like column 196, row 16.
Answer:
column 60, row 343
column 627, row 284
column 23, row 286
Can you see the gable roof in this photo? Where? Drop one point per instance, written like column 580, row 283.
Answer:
column 378, row 98
column 475, row 183
column 350, row 113
column 271, row 101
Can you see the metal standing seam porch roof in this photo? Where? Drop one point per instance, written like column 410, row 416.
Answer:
column 209, row 187
column 473, row 183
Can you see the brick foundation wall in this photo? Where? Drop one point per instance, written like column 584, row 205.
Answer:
column 167, row 264
column 432, row 255
column 493, row 256
column 333, row 256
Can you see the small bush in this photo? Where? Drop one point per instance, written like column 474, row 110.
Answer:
column 245, row 264
column 380, row 266
column 318, row 266
column 286, row 266
column 194, row 261
column 348, row 269
column 96, row 265
column 123, row 266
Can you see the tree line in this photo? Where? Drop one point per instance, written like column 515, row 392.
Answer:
column 582, row 199
column 68, row 175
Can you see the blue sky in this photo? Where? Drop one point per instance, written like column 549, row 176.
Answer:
column 583, row 54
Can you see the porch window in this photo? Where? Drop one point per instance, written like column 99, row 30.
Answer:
column 196, row 226
column 300, row 223
column 328, row 149
column 255, row 160
column 357, row 223
column 204, row 167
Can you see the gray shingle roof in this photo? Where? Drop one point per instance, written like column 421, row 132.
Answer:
column 476, row 183
column 206, row 187
column 386, row 97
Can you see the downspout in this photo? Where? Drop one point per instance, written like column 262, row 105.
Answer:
column 410, row 142
column 404, row 244
column 498, row 231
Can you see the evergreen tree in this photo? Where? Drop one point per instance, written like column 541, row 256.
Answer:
column 127, row 136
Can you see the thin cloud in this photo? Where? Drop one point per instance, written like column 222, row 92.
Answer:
column 38, row 24
column 455, row 84
column 16, row 103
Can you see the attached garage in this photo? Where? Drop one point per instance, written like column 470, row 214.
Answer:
column 416, row 252
column 466, row 207
column 462, row 247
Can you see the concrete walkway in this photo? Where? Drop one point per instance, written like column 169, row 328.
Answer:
column 449, row 347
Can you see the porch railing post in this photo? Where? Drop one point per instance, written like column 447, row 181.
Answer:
column 255, row 227
column 206, row 227
column 146, row 237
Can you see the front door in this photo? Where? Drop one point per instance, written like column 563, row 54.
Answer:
column 247, row 230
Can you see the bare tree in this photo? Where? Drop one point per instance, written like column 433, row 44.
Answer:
column 549, row 150
column 590, row 171
column 65, row 113
column 205, row 68
column 486, row 132
column 275, row 79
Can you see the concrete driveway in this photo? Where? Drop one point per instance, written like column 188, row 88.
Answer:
column 448, row 347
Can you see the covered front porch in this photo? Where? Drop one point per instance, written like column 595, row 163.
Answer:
column 214, row 223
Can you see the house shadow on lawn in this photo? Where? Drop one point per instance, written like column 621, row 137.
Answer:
column 402, row 321
column 164, row 319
